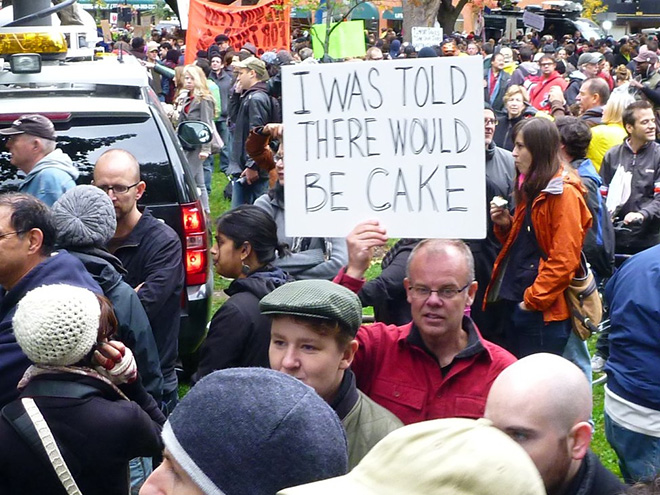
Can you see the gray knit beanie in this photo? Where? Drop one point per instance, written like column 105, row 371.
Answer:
column 85, row 217
column 254, row 431
column 57, row 324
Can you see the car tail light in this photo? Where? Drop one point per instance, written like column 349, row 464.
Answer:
column 196, row 246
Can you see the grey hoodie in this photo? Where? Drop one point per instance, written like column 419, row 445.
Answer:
column 51, row 177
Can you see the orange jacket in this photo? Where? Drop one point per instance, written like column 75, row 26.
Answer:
column 560, row 218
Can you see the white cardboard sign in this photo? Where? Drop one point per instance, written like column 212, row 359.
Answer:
column 401, row 141
column 426, row 36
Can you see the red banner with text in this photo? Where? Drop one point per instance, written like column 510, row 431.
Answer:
column 266, row 25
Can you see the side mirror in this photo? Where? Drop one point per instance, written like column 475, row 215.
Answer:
column 194, row 133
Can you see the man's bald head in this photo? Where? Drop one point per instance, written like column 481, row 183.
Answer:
column 121, row 158
column 551, row 383
column 118, row 173
column 544, row 403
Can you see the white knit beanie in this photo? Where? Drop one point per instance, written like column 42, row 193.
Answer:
column 57, row 324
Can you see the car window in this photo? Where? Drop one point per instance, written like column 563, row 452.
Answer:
column 85, row 138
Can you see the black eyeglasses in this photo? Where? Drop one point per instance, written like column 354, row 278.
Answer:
column 2, row 236
column 490, row 122
column 444, row 293
column 117, row 189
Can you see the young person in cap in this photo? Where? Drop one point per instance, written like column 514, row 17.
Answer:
column 249, row 106
column 314, row 323
column 248, row 431
column 49, row 171
column 453, row 456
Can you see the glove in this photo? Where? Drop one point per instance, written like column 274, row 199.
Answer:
column 116, row 362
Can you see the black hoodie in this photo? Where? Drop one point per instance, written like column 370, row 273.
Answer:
column 239, row 335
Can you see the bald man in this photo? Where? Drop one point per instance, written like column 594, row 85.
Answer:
column 151, row 253
column 544, row 403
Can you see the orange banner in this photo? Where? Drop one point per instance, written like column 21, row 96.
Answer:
column 266, row 25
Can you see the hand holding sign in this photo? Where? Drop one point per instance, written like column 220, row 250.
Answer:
column 361, row 243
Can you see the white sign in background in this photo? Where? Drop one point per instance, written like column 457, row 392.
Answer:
column 426, row 36
column 401, row 141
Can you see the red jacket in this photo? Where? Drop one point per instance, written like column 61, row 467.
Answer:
column 393, row 369
column 538, row 95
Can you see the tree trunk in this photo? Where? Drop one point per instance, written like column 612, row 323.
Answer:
column 448, row 13
column 418, row 13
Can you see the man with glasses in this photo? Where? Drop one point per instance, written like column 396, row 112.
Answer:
column 500, row 176
column 49, row 171
column 28, row 260
column 438, row 365
column 151, row 254
column 549, row 78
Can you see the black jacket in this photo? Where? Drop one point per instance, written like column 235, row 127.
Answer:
column 97, row 436
column 644, row 195
column 503, row 136
column 594, row 479
column 59, row 268
column 251, row 108
column 134, row 329
column 386, row 292
column 239, row 335
column 152, row 255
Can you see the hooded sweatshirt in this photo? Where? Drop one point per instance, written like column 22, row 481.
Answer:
column 239, row 335
column 51, row 177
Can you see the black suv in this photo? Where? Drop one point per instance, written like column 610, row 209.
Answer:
column 106, row 104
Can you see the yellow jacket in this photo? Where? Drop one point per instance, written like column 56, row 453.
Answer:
column 604, row 137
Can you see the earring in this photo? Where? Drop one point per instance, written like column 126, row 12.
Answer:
column 245, row 269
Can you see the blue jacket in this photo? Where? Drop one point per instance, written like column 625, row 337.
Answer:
column 633, row 294
column 51, row 177
column 59, row 268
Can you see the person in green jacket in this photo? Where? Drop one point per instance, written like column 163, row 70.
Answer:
column 314, row 323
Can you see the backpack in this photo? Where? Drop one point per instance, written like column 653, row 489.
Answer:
column 601, row 246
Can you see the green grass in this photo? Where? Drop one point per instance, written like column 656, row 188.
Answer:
column 599, row 443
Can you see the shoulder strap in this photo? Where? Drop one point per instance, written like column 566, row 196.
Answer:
column 57, row 388
column 18, row 418
column 34, row 423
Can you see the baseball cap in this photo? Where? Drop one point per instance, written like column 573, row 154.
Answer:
column 590, row 58
column 253, row 63
column 647, row 56
column 34, row 125
column 152, row 45
column 455, row 456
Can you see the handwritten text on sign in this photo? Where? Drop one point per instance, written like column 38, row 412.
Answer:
column 401, row 141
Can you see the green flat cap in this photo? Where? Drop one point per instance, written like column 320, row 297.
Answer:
column 315, row 299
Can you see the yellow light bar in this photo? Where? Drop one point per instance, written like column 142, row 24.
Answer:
column 43, row 43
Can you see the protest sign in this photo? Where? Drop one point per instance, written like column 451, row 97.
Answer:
column 266, row 25
column 535, row 21
column 107, row 33
column 426, row 36
column 346, row 40
column 401, row 141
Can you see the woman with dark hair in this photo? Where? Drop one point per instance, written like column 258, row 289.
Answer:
column 246, row 245
column 85, row 388
column 541, row 242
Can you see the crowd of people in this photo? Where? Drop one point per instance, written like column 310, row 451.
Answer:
column 471, row 380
